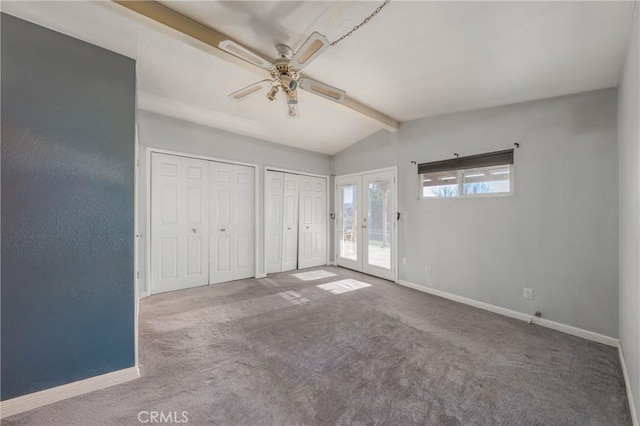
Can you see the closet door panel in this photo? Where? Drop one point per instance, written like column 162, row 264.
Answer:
column 196, row 192
column 313, row 222
column 242, row 222
column 273, row 220
column 220, row 214
column 290, row 223
column 179, row 229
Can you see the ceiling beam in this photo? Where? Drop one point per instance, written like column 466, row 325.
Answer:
column 212, row 38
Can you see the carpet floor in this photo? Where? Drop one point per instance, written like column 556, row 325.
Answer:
column 285, row 351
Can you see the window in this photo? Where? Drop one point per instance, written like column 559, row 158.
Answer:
column 441, row 184
column 478, row 175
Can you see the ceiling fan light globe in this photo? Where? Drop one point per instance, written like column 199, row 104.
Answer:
column 272, row 93
column 288, row 82
column 292, row 111
column 292, row 97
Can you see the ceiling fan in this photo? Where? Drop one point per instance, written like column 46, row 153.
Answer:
column 288, row 62
column 285, row 73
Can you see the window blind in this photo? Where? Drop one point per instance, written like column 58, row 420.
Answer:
column 472, row 161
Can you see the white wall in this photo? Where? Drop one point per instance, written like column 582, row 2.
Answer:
column 158, row 131
column 558, row 233
column 629, row 158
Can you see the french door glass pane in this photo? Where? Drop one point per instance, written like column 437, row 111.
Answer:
column 348, row 239
column 379, row 217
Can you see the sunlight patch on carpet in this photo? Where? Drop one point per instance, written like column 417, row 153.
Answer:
column 313, row 275
column 343, row 286
column 268, row 282
column 293, row 297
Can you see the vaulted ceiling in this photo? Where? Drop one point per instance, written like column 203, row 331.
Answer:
column 415, row 59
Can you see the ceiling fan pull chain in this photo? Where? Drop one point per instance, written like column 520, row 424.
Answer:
column 357, row 27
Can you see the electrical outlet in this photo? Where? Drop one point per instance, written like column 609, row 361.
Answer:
column 528, row 293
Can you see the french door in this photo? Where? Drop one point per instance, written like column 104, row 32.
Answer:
column 366, row 223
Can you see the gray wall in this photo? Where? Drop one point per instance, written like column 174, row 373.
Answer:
column 158, row 131
column 557, row 234
column 629, row 142
column 68, row 121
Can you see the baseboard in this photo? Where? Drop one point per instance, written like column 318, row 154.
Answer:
column 574, row 331
column 632, row 406
column 332, row 264
column 262, row 275
column 30, row 401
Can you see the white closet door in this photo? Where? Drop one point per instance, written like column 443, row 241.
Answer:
column 231, row 214
column 179, row 225
column 312, row 222
column 290, row 223
column 242, row 222
column 220, row 213
column 273, row 220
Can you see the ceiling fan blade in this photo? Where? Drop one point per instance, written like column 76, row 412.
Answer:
column 245, row 92
column 310, row 49
column 324, row 90
column 243, row 53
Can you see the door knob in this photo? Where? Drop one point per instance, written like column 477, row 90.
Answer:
column 194, row 230
column 289, row 228
column 222, row 230
column 307, row 227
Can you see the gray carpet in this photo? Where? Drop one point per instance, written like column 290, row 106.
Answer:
column 281, row 351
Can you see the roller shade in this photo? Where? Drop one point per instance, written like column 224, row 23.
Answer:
column 472, row 161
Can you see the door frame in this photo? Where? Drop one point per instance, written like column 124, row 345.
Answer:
column 151, row 150
column 336, row 230
column 264, row 207
column 136, row 246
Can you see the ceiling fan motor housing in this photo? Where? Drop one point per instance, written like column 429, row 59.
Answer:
column 286, row 73
column 284, row 51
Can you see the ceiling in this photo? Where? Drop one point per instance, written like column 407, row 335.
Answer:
column 415, row 59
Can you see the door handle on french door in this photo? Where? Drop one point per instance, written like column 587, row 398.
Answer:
column 222, row 230
column 289, row 228
column 194, row 230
